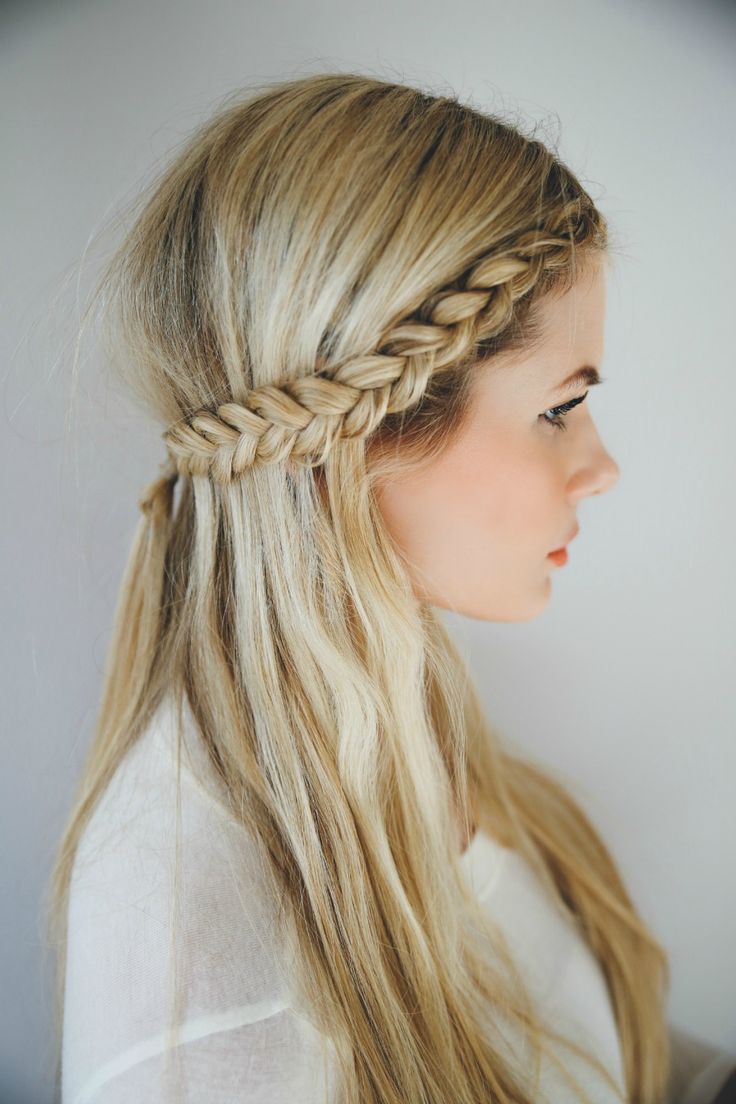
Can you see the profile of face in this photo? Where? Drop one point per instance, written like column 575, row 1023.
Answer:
column 476, row 526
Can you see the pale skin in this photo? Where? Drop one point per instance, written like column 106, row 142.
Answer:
column 475, row 527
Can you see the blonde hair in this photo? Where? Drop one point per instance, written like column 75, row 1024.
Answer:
column 303, row 299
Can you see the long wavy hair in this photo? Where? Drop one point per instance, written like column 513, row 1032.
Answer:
column 303, row 301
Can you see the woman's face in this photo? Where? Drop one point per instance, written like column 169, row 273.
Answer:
column 476, row 527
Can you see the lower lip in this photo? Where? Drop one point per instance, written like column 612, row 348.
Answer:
column 559, row 557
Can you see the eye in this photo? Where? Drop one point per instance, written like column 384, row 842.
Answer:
column 558, row 412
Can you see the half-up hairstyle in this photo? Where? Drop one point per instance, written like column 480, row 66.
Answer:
column 303, row 300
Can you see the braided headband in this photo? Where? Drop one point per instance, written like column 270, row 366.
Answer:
column 303, row 417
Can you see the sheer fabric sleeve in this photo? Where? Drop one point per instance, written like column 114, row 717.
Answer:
column 698, row 1070
column 240, row 1037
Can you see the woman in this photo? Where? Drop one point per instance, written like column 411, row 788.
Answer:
column 302, row 865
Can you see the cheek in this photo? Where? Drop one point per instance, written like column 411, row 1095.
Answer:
column 477, row 507
column 523, row 501
column 474, row 532
column 509, row 494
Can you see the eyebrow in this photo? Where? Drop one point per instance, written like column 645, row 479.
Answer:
column 587, row 376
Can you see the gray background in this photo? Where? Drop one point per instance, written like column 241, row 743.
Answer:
column 625, row 682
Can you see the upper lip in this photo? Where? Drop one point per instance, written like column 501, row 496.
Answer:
column 572, row 536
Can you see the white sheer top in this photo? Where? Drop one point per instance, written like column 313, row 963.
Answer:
column 242, row 1039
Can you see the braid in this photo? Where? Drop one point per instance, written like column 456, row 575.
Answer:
column 304, row 417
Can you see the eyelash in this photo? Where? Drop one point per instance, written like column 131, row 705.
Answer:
column 560, row 412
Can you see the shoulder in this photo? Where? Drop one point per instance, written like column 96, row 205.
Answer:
column 170, row 916
column 159, row 838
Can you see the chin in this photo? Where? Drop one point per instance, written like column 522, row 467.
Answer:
column 506, row 611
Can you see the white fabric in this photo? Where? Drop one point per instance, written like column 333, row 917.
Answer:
column 242, row 1040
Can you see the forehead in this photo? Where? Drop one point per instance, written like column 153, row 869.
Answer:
column 575, row 319
column 571, row 335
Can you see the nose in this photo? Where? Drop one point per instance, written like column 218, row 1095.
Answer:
column 607, row 474
column 596, row 475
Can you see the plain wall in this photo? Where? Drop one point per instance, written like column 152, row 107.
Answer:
column 625, row 683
